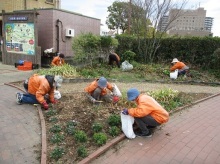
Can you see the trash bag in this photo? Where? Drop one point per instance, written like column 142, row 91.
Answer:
column 57, row 95
column 126, row 66
column 127, row 122
column 116, row 91
column 173, row 75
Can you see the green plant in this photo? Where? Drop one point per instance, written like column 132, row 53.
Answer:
column 97, row 127
column 128, row 55
column 80, row 136
column 114, row 120
column 100, row 138
column 57, row 138
column 51, row 113
column 55, row 129
column 57, row 153
column 71, row 123
column 82, row 152
column 53, row 119
column 114, row 131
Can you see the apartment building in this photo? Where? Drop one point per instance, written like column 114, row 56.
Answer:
column 187, row 23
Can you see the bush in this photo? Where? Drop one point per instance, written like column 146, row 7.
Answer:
column 55, row 129
column 114, row 131
column 100, row 138
column 57, row 138
column 57, row 153
column 114, row 120
column 82, row 152
column 80, row 136
column 129, row 56
column 97, row 127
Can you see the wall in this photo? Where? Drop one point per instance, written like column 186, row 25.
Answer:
column 47, row 34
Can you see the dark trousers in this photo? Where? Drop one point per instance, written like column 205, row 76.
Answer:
column 112, row 58
column 143, row 122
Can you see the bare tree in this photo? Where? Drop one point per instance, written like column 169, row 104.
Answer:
column 155, row 10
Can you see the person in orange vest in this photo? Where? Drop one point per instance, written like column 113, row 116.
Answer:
column 180, row 66
column 114, row 58
column 38, row 87
column 58, row 60
column 148, row 113
column 98, row 90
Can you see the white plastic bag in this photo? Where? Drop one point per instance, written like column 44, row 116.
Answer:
column 57, row 94
column 127, row 122
column 173, row 75
column 116, row 91
column 126, row 66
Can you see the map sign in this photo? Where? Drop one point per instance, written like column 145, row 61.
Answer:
column 20, row 38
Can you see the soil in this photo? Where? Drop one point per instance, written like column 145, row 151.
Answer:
column 75, row 107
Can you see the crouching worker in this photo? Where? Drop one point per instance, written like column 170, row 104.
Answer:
column 114, row 58
column 98, row 91
column 148, row 113
column 58, row 60
column 38, row 88
column 180, row 66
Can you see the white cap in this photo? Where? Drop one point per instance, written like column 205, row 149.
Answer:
column 58, row 80
column 175, row 60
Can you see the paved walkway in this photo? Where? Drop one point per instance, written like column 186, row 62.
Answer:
column 20, row 138
column 190, row 136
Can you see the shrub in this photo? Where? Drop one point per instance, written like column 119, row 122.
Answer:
column 128, row 55
column 57, row 138
column 100, row 138
column 114, row 131
column 80, row 136
column 97, row 127
column 114, row 120
column 82, row 152
column 57, row 153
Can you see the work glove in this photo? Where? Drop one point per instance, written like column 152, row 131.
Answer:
column 54, row 101
column 45, row 105
column 115, row 99
column 125, row 111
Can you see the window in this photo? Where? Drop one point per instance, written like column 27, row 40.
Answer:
column 50, row 1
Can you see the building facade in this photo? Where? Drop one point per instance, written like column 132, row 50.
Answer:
column 50, row 28
column 187, row 22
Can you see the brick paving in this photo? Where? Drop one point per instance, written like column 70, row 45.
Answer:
column 190, row 136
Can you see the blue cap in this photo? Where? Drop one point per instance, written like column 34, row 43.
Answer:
column 102, row 82
column 132, row 94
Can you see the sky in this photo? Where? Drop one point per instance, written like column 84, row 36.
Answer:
column 98, row 9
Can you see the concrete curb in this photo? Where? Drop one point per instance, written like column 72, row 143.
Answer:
column 102, row 149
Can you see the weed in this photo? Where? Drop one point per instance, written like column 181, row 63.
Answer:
column 80, row 136
column 100, row 138
column 57, row 153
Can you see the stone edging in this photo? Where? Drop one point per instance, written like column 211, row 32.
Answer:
column 43, row 129
column 102, row 149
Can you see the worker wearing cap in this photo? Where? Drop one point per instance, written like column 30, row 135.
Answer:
column 180, row 66
column 98, row 90
column 58, row 60
column 148, row 113
column 38, row 87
